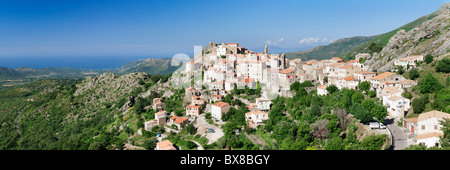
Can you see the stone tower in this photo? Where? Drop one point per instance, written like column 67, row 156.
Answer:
column 266, row 50
column 283, row 61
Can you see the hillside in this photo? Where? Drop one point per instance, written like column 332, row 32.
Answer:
column 336, row 48
column 98, row 112
column 347, row 48
column 431, row 35
column 150, row 65
column 7, row 73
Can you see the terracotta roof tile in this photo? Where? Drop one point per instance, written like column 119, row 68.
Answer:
column 382, row 76
column 221, row 104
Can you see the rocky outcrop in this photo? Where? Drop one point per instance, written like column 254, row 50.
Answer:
column 109, row 87
column 430, row 37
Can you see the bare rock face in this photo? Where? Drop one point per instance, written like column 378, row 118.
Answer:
column 108, row 87
column 431, row 37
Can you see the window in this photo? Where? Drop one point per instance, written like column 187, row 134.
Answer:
column 435, row 127
column 423, row 127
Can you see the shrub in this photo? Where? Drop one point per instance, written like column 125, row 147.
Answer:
column 418, row 104
column 429, row 84
column 375, row 47
column 371, row 94
column 331, row 89
column 407, row 95
column 428, row 58
column 443, row 66
column 414, row 74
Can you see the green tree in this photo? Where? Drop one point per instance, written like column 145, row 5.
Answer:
column 429, row 84
column 331, row 89
column 364, row 86
column 357, row 97
column 379, row 111
column 445, row 139
column 428, row 58
column 419, row 104
column 373, row 142
column 407, row 94
column 97, row 146
column 228, row 98
column 414, row 74
column 368, row 104
column 443, row 66
column 191, row 129
column 360, row 113
column 400, row 70
column 371, row 94
column 149, row 144
column 295, row 86
column 335, row 143
column 375, row 47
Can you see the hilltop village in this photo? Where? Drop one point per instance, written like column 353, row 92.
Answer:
column 227, row 67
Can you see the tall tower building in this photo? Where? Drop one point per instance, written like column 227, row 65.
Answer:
column 283, row 61
column 266, row 50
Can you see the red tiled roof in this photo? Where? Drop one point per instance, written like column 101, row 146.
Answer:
column 348, row 78
column 221, row 104
column 382, row 76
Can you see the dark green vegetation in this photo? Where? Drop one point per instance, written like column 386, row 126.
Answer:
column 308, row 121
column 432, row 91
column 55, row 117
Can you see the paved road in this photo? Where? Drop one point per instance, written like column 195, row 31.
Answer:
column 399, row 136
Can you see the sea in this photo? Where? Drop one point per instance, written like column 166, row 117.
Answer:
column 95, row 62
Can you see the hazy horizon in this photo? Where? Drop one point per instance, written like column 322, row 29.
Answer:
column 71, row 31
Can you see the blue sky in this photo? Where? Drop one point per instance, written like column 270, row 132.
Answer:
column 62, row 28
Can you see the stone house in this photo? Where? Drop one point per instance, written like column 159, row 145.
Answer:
column 322, row 90
column 255, row 118
column 429, row 129
column 218, row 109
column 165, row 145
column 158, row 105
column 180, row 122
column 263, row 103
column 193, row 110
column 410, row 60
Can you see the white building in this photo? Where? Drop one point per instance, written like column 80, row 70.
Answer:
column 429, row 129
column 255, row 118
column 411, row 61
column 218, row 109
column 364, row 75
column 322, row 90
column 263, row 103
column 397, row 106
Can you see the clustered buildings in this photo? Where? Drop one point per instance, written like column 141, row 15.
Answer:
column 227, row 66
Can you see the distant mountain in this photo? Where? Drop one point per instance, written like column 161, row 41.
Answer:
column 276, row 49
column 334, row 49
column 22, row 75
column 7, row 73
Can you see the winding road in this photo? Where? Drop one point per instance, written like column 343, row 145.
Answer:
column 400, row 138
